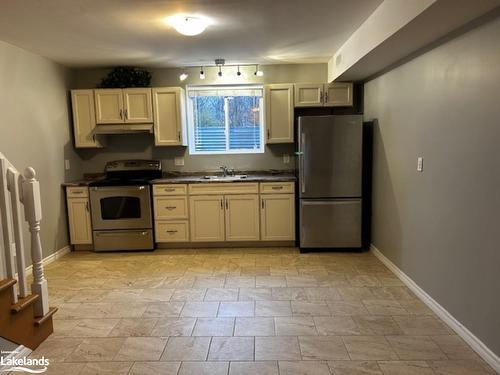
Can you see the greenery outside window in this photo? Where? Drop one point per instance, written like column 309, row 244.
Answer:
column 225, row 119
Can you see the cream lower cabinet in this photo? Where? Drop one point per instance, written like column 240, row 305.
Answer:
column 80, row 227
column 207, row 218
column 242, row 217
column 171, row 213
column 277, row 217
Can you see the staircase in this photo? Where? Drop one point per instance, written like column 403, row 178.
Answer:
column 25, row 316
column 18, row 322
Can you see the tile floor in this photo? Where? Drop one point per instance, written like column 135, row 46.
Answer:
column 241, row 312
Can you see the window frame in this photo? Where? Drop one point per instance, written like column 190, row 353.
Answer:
column 191, row 125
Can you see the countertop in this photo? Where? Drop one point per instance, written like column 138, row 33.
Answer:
column 199, row 178
column 195, row 178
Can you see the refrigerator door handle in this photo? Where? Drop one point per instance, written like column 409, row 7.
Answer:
column 301, row 161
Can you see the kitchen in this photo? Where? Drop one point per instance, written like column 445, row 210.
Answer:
column 223, row 194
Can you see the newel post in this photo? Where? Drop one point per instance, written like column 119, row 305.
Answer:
column 33, row 215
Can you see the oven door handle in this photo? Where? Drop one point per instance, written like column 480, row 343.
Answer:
column 121, row 188
column 121, row 232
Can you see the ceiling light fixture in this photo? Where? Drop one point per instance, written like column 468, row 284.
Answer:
column 258, row 72
column 202, row 73
column 183, row 75
column 187, row 25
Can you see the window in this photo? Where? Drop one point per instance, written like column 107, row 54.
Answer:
column 225, row 119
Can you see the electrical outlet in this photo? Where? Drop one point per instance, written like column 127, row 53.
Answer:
column 420, row 164
column 286, row 158
column 67, row 165
column 179, row 161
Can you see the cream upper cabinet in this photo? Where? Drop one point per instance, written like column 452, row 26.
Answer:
column 109, row 106
column 242, row 217
column 169, row 116
column 308, row 94
column 84, row 123
column 277, row 217
column 137, row 105
column 338, row 94
column 206, row 215
column 80, row 228
column 279, row 113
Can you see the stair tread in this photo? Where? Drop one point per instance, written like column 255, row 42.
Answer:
column 6, row 283
column 42, row 319
column 23, row 303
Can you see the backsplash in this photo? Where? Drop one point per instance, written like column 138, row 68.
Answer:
column 140, row 146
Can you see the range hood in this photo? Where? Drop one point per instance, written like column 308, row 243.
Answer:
column 123, row 129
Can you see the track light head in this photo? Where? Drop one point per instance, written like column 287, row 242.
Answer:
column 183, row 76
column 258, row 72
column 202, row 73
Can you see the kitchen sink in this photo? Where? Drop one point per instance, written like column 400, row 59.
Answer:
column 226, row 178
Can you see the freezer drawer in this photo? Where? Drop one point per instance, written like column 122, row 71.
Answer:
column 330, row 223
column 116, row 240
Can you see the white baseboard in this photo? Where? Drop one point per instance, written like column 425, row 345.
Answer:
column 52, row 257
column 479, row 347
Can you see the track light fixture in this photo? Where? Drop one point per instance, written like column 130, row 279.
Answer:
column 219, row 64
column 183, row 75
column 258, row 72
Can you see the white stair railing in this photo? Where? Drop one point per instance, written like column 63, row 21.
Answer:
column 23, row 190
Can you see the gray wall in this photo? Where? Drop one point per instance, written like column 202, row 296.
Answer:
column 441, row 226
column 35, row 131
column 141, row 146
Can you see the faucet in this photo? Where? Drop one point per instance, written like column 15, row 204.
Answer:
column 225, row 170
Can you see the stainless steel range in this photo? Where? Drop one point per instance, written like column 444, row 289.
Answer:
column 121, row 206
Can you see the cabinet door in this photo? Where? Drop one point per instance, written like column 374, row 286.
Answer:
column 308, row 95
column 206, row 214
column 84, row 124
column 80, row 229
column 279, row 113
column 242, row 217
column 137, row 105
column 169, row 116
column 109, row 106
column 338, row 94
column 277, row 217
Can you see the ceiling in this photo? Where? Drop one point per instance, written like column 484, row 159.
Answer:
column 92, row 33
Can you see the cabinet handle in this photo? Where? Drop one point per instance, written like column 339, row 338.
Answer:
column 169, row 189
column 172, row 231
column 277, row 187
column 263, row 203
column 87, row 206
column 227, row 204
column 221, row 205
column 126, row 114
column 77, row 192
column 179, row 135
column 321, row 96
column 268, row 134
column 326, row 96
column 121, row 114
column 170, row 208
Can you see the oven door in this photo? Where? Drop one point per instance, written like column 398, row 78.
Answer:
column 120, row 207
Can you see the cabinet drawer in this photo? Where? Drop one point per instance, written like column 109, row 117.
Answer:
column 277, row 187
column 77, row 192
column 170, row 208
column 171, row 189
column 172, row 231
column 223, row 188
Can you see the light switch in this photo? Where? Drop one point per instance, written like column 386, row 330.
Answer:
column 286, row 158
column 66, row 164
column 420, row 164
column 179, row 161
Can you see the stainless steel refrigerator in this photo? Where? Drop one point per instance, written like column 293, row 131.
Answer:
column 330, row 158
